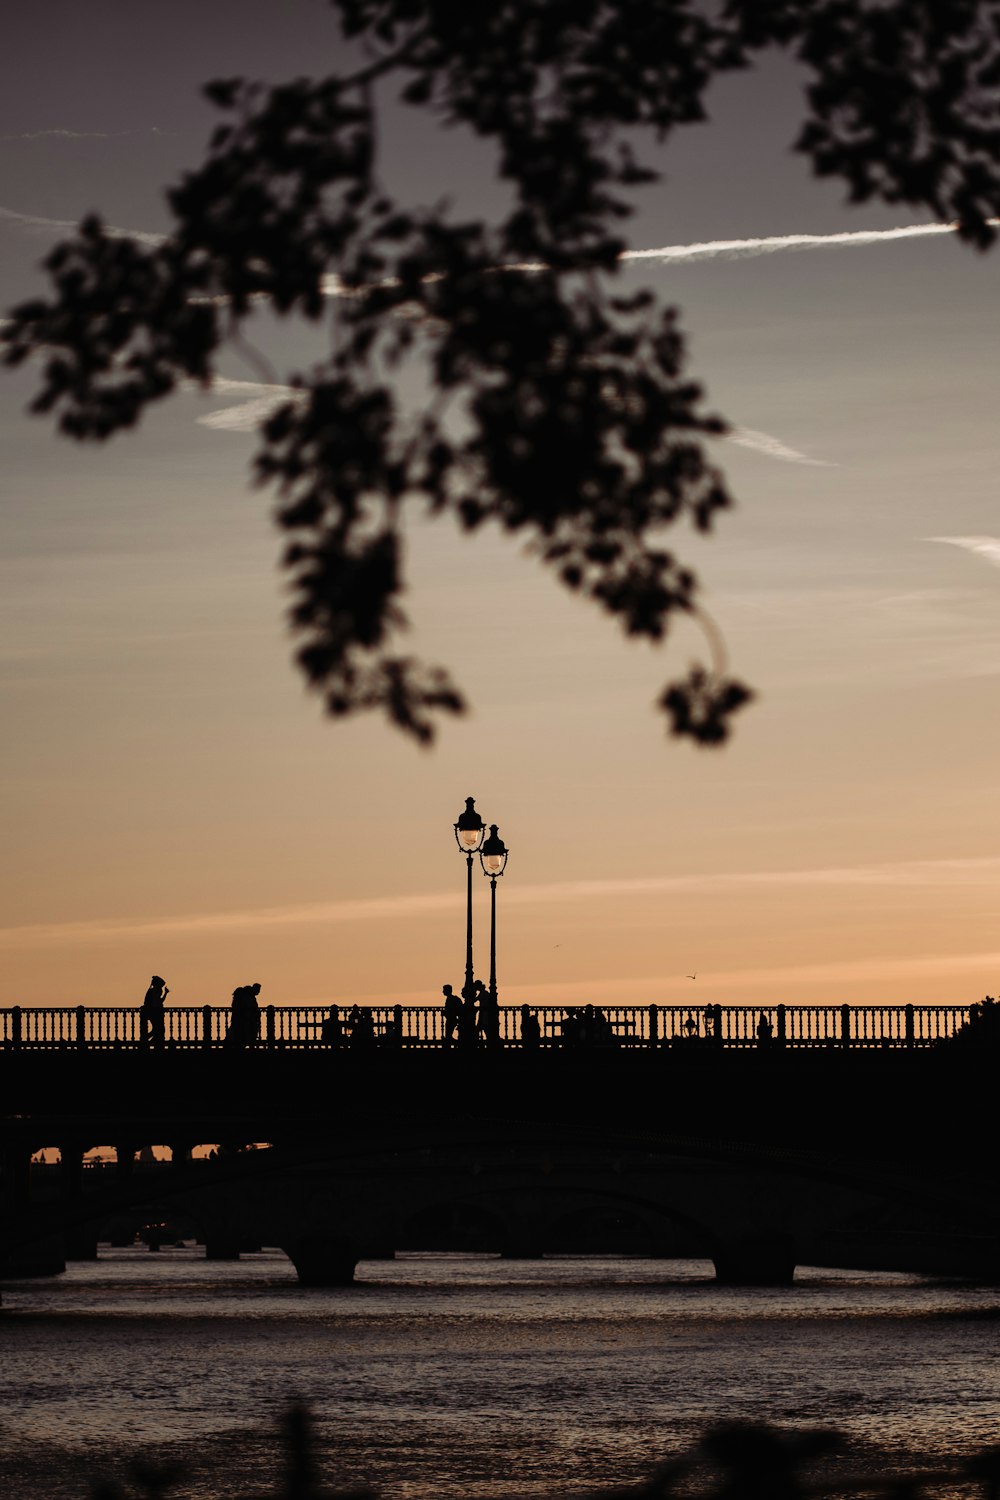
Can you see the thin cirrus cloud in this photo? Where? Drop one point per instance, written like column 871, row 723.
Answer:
column 940, row 874
column 986, row 547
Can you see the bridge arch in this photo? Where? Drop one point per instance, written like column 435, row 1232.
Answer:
column 454, row 1224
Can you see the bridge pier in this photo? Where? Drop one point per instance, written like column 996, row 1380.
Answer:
column 527, row 1248
column 81, row 1244
column 323, row 1260
column 755, row 1260
column 43, row 1257
column 220, row 1248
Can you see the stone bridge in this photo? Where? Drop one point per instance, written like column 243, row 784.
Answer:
column 758, row 1159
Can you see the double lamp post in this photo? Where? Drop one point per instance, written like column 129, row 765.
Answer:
column 470, row 835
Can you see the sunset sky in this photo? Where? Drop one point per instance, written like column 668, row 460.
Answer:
column 175, row 802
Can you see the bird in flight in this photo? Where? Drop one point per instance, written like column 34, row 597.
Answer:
column 691, row 976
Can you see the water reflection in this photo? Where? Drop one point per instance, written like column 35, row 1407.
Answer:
column 439, row 1374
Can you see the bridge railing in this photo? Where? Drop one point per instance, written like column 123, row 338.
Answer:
column 301, row 1027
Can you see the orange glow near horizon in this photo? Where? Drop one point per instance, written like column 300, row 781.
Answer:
column 175, row 802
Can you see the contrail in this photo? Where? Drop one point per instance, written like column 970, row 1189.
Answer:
column 660, row 254
column 772, row 447
column 82, row 135
column 248, row 415
column 36, row 221
column 772, row 244
column 986, row 547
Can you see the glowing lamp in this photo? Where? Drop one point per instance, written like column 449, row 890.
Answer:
column 470, row 828
column 493, row 854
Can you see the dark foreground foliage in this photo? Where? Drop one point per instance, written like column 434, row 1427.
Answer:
column 559, row 408
column 732, row 1462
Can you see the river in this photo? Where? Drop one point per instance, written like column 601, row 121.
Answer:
column 444, row 1376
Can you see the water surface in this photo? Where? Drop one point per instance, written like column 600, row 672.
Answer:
column 437, row 1376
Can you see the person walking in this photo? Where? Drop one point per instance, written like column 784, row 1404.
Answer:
column 452, row 1015
column 489, row 1018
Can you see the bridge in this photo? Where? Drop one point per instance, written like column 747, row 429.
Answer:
column 835, row 1136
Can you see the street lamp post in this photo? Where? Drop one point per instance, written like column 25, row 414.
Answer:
column 493, row 858
column 469, row 831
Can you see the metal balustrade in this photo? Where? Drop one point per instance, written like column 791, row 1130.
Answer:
column 411, row 1028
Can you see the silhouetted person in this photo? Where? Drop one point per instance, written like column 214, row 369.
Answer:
column 570, row 1027
column 531, row 1032
column 331, row 1033
column 392, row 1036
column 690, row 1026
column 603, row 1033
column 452, row 1015
column 489, row 1018
column 467, row 1025
column 765, row 1035
column 251, row 1014
column 362, row 1028
column 151, row 1021
column 244, row 1019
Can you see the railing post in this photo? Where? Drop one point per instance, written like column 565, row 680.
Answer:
column 206, row 1026
column 81, row 1027
column 780, row 1033
column 15, row 1027
column 654, row 1026
column 845, row 1025
column 397, row 1021
column 269, row 1026
column 910, row 1038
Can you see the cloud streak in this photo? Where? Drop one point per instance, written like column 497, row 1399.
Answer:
column 925, row 874
column 665, row 255
column 82, row 135
column 772, row 447
column 248, row 415
column 777, row 243
column 245, row 417
column 40, row 224
column 986, row 547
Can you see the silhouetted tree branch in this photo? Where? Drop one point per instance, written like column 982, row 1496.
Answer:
column 559, row 409
column 733, row 1461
